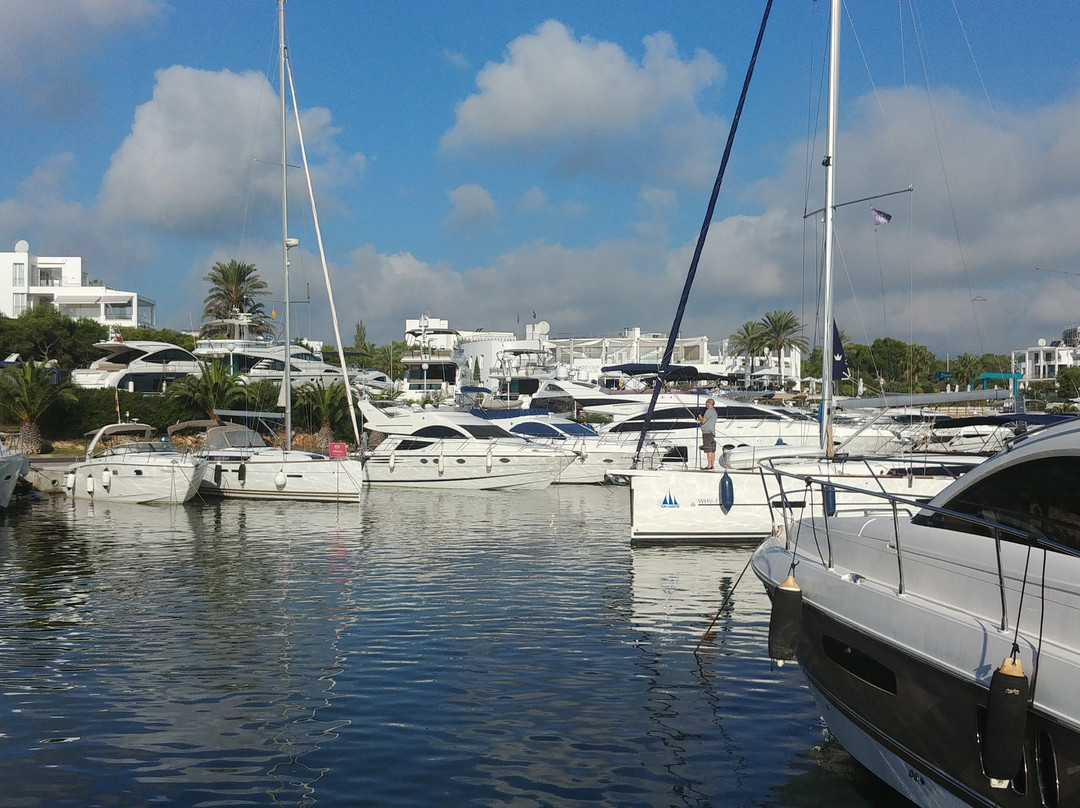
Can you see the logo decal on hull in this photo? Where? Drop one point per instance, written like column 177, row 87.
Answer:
column 669, row 501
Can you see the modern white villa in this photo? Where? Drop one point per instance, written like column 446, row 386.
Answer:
column 27, row 280
column 1042, row 361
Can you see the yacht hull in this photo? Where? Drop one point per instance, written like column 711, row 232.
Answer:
column 316, row 479
column 519, row 470
column 917, row 726
column 149, row 481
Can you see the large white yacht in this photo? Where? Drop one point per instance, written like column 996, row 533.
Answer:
column 435, row 447
column 138, row 366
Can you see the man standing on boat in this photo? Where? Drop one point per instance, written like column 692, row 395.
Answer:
column 708, row 432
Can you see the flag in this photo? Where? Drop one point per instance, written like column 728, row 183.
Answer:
column 534, row 314
column 519, row 316
column 116, row 398
column 839, row 361
column 880, row 216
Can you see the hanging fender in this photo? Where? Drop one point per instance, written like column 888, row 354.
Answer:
column 280, row 479
column 393, row 460
column 1006, row 721
column 217, row 474
column 727, row 492
column 785, row 620
column 241, row 473
column 106, row 479
column 488, row 460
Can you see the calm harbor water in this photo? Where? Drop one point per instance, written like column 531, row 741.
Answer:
column 418, row 649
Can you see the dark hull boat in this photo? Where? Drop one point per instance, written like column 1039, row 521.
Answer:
column 944, row 648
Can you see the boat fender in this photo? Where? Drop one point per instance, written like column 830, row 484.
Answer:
column 90, row 485
column 488, row 462
column 217, row 474
column 829, row 493
column 69, row 481
column 1006, row 718
column 106, row 479
column 241, row 473
column 280, row 479
column 442, row 464
column 785, row 621
column 727, row 492
column 393, row 460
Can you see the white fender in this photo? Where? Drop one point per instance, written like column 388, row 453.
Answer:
column 489, row 456
column 280, row 479
column 90, row 484
column 442, row 464
column 69, row 481
column 106, row 478
column 393, row 459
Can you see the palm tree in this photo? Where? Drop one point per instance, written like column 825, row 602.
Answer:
column 26, row 393
column 214, row 389
column 234, row 287
column 749, row 339
column 782, row 331
column 328, row 405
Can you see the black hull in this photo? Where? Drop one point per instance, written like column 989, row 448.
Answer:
column 931, row 719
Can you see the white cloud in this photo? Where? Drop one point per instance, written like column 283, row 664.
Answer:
column 203, row 155
column 589, row 108
column 472, row 207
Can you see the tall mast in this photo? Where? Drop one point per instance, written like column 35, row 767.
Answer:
column 830, row 213
column 286, row 242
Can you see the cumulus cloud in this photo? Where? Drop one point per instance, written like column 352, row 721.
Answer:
column 203, row 154
column 588, row 107
column 471, row 207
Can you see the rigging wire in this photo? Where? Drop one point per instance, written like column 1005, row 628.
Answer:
column 665, row 362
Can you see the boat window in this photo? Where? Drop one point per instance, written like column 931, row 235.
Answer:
column 410, row 445
column 1038, row 496
column 487, row 431
column 169, row 355
column 438, row 431
column 531, row 429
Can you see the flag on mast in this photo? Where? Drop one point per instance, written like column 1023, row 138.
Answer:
column 880, row 216
column 839, row 359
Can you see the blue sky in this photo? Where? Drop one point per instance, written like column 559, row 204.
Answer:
column 482, row 161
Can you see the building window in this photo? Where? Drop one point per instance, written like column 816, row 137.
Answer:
column 118, row 311
column 18, row 303
column 18, row 275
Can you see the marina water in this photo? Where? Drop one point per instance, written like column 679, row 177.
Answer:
column 419, row 648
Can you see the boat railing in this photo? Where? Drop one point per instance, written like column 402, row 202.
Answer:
column 795, row 512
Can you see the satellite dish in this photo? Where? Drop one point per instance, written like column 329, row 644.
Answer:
column 542, row 328
column 22, row 246
column 1042, row 343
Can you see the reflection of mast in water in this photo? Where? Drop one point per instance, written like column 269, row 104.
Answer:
column 675, row 595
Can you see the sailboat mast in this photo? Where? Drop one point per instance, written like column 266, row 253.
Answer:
column 285, row 243
column 830, row 213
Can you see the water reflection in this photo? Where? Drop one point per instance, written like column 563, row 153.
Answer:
column 416, row 648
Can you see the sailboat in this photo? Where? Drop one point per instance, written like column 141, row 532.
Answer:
column 744, row 498
column 241, row 464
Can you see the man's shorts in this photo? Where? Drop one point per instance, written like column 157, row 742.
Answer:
column 708, row 442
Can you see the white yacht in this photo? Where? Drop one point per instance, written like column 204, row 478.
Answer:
column 137, row 471
column 941, row 642
column 139, row 366
column 597, row 455
column 434, row 447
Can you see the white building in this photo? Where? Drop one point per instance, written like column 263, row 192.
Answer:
column 1041, row 362
column 27, row 280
